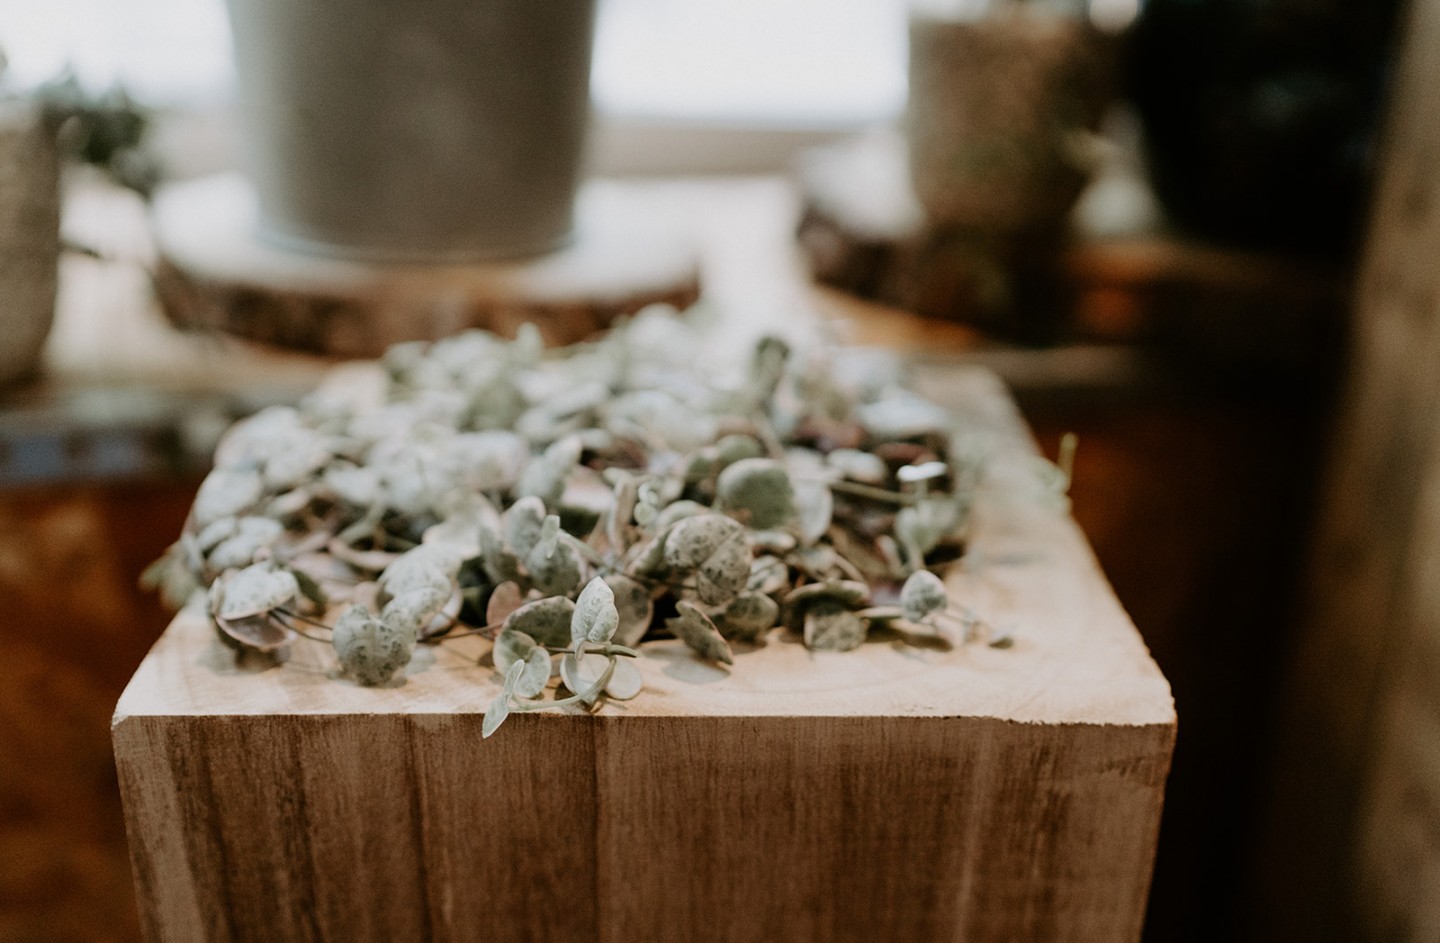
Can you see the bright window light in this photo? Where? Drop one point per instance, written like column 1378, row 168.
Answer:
column 790, row 62
column 793, row 62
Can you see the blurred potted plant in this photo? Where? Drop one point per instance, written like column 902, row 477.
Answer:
column 37, row 129
column 105, row 130
column 1004, row 98
column 427, row 129
column 29, row 236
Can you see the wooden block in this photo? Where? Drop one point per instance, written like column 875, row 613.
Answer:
column 896, row 792
column 213, row 272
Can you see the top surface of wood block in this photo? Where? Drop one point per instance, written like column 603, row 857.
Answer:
column 1077, row 659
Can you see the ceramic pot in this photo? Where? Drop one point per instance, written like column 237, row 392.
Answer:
column 417, row 129
column 1001, row 109
column 29, row 238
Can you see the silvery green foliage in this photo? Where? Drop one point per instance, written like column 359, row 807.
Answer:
column 499, row 708
column 544, row 477
column 428, row 566
column 922, row 596
column 714, row 549
column 244, row 604
column 416, row 610
column 830, row 627
column 575, row 500
column 626, row 681
column 922, row 526
column 595, row 618
column 255, row 590
column 372, row 650
column 546, row 620
column 586, row 675
column 902, row 415
column 525, row 525
column 226, row 492
column 748, row 616
column 758, row 490
column 677, row 511
column 815, row 507
column 832, row 594
column 768, row 576
column 634, row 606
column 244, row 542
column 512, row 646
column 858, row 466
column 736, row 447
column 693, row 627
column 553, row 563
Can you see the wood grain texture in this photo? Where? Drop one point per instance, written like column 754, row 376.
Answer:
column 892, row 792
column 213, row 272
column 876, row 828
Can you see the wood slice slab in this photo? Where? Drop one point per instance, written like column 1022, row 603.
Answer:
column 865, row 232
column 894, row 792
column 1112, row 273
column 213, row 272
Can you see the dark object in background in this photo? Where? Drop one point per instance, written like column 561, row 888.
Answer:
column 1260, row 116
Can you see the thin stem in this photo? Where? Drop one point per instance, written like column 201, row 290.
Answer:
column 765, row 429
column 292, row 614
column 487, row 630
column 589, row 553
column 588, row 697
column 607, row 649
column 859, row 490
column 281, row 615
column 440, row 635
column 1066, row 458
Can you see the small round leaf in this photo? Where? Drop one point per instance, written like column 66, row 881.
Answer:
column 255, row 590
column 596, row 617
column 922, row 596
column 831, row 628
column 748, row 616
column 759, row 489
column 693, row 627
column 626, row 682
column 546, row 620
column 371, row 650
column 586, row 676
column 536, row 674
column 635, row 607
column 511, row 646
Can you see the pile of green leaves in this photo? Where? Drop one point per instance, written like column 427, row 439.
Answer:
column 572, row 504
